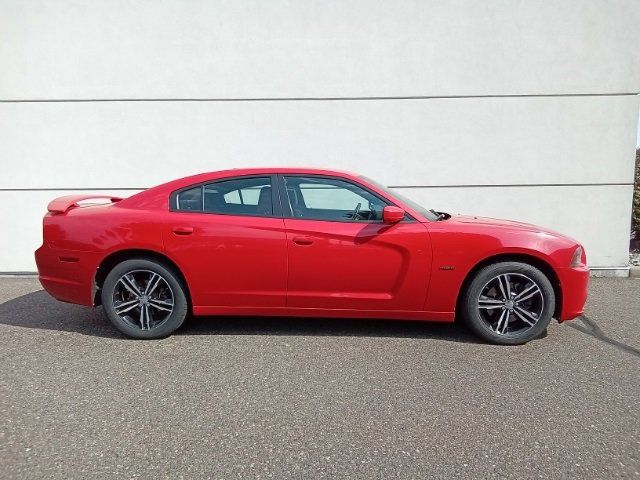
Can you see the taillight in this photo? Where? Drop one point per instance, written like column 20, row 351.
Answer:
column 578, row 259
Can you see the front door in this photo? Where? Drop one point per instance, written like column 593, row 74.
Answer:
column 341, row 255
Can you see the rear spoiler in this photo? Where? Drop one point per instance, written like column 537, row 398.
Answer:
column 64, row 204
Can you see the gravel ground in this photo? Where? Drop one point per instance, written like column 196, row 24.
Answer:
column 274, row 398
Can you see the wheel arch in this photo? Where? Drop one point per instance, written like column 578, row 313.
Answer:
column 545, row 267
column 119, row 256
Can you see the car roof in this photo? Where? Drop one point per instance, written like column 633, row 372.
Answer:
column 158, row 197
column 153, row 195
column 272, row 170
column 239, row 172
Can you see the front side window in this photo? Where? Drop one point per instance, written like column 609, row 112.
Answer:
column 323, row 198
column 240, row 196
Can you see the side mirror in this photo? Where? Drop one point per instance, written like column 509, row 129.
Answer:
column 392, row 214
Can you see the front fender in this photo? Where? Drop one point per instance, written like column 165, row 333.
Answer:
column 457, row 252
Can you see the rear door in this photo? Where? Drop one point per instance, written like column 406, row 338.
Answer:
column 229, row 238
column 341, row 255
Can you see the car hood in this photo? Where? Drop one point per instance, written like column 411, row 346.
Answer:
column 499, row 223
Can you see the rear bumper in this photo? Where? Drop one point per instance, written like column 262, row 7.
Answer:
column 574, row 283
column 67, row 275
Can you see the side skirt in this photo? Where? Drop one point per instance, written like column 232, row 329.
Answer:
column 324, row 312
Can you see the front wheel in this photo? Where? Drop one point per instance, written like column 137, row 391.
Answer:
column 508, row 303
column 144, row 299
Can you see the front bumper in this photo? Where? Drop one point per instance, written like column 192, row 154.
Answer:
column 574, row 283
column 67, row 275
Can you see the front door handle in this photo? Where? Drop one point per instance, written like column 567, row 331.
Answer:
column 183, row 230
column 302, row 240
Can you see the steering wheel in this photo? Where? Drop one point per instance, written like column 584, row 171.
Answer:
column 357, row 211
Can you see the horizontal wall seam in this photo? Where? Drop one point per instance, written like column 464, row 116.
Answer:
column 517, row 185
column 54, row 189
column 319, row 99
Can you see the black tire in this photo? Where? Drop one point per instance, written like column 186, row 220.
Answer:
column 166, row 322
column 481, row 313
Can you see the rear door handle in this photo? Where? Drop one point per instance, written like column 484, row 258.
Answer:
column 183, row 230
column 302, row 240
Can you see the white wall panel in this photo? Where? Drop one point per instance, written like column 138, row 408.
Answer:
column 482, row 51
column 592, row 215
column 523, row 140
column 292, row 48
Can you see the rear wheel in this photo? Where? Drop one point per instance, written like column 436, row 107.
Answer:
column 508, row 303
column 144, row 299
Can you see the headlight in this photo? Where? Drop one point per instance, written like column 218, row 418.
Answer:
column 578, row 258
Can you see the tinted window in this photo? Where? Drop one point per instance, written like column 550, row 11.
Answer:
column 241, row 196
column 322, row 198
column 190, row 199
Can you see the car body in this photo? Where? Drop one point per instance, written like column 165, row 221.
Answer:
column 256, row 249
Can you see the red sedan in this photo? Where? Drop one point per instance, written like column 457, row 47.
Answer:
column 304, row 242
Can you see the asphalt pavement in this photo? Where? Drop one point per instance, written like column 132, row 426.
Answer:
column 301, row 398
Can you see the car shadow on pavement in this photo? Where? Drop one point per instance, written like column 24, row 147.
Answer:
column 39, row 311
column 591, row 328
column 326, row 327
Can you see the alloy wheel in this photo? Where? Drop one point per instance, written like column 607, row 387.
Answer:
column 143, row 299
column 510, row 304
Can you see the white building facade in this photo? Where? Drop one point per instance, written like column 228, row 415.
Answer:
column 524, row 110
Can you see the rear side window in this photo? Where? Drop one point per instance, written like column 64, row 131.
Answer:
column 240, row 196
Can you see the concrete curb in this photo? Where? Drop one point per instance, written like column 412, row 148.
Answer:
column 634, row 271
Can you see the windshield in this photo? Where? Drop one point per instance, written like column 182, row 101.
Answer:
column 429, row 214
